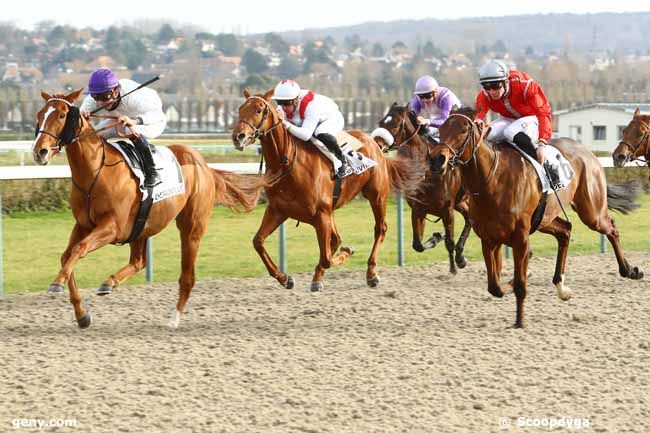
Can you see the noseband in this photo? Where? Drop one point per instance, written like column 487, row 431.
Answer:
column 401, row 131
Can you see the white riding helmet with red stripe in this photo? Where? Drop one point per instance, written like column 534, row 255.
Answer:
column 286, row 90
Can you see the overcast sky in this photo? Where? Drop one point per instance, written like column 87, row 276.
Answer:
column 257, row 16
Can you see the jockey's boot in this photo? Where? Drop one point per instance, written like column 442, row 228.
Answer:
column 553, row 173
column 151, row 177
column 524, row 142
column 330, row 142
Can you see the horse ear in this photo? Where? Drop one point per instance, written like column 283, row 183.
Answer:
column 247, row 93
column 267, row 96
column 46, row 96
column 73, row 96
column 637, row 112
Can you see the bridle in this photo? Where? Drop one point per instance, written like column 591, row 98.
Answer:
column 471, row 139
column 401, row 131
column 257, row 130
column 643, row 142
column 259, row 133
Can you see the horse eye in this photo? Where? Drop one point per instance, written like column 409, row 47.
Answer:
column 62, row 116
column 259, row 111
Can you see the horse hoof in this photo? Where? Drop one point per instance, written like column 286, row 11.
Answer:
column 290, row 283
column 348, row 250
column 316, row 286
column 373, row 282
column 104, row 289
column 56, row 289
column 461, row 262
column 434, row 240
column 637, row 273
column 85, row 321
column 496, row 292
column 417, row 246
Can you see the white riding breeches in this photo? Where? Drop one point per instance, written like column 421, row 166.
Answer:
column 149, row 131
column 505, row 129
column 333, row 125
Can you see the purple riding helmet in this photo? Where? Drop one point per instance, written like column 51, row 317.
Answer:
column 101, row 81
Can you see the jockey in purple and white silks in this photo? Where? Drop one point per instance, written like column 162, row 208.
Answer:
column 140, row 113
column 307, row 114
column 432, row 104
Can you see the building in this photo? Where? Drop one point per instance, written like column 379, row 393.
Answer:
column 597, row 126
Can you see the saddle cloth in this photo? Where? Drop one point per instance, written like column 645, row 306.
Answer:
column 167, row 167
column 357, row 161
column 555, row 158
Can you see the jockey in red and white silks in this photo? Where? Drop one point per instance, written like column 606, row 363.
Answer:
column 307, row 114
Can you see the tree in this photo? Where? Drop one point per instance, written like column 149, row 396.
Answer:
column 254, row 62
column 499, row 47
column 276, row 43
column 289, row 68
column 229, row 44
column 378, row 50
column 430, row 50
column 258, row 83
column 165, row 34
column 56, row 36
column 352, row 42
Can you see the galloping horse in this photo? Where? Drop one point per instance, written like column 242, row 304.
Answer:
column 438, row 195
column 105, row 200
column 301, row 187
column 636, row 141
column 505, row 191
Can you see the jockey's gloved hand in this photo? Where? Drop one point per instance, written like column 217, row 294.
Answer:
column 286, row 124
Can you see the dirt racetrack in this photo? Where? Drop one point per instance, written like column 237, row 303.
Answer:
column 424, row 352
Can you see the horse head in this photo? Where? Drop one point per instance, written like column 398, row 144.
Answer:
column 635, row 142
column 399, row 128
column 256, row 118
column 460, row 137
column 57, row 125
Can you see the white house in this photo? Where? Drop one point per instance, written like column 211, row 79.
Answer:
column 597, row 126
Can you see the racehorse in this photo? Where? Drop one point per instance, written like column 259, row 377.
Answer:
column 300, row 186
column 505, row 191
column 438, row 195
column 636, row 141
column 105, row 200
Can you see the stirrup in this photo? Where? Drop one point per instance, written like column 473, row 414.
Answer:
column 152, row 181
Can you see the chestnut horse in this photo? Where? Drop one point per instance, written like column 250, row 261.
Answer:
column 505, row 191
column 636, row 141
column 438, row 195
column 105, row 200
column 300, row 186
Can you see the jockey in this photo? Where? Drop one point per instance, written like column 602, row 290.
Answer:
column 140, row 115
column 525, row 113
column 307, row 114
column 433, row 104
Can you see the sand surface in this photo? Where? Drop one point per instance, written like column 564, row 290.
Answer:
column 424, row 352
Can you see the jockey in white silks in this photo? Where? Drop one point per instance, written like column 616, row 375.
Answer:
column 307, row 114
column 140, row 114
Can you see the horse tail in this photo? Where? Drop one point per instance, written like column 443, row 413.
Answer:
column 405, row 175
column 623, row 198
column 236, row 191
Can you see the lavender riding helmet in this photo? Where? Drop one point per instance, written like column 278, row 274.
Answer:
column 101, row 81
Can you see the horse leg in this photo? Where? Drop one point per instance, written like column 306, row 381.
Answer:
column 520, row 253
column 607, row 227
column 136, row 263
column 379, row 212
column 271, row 221
column 448, row 221
column 491, row 251
column 344, row 253
column 192, row 226
column 80, row 244
column 561, row 229
column 324, row 228
column 461, row 262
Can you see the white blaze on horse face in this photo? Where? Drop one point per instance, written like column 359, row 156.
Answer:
column 49, row 111
column 388, row 119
